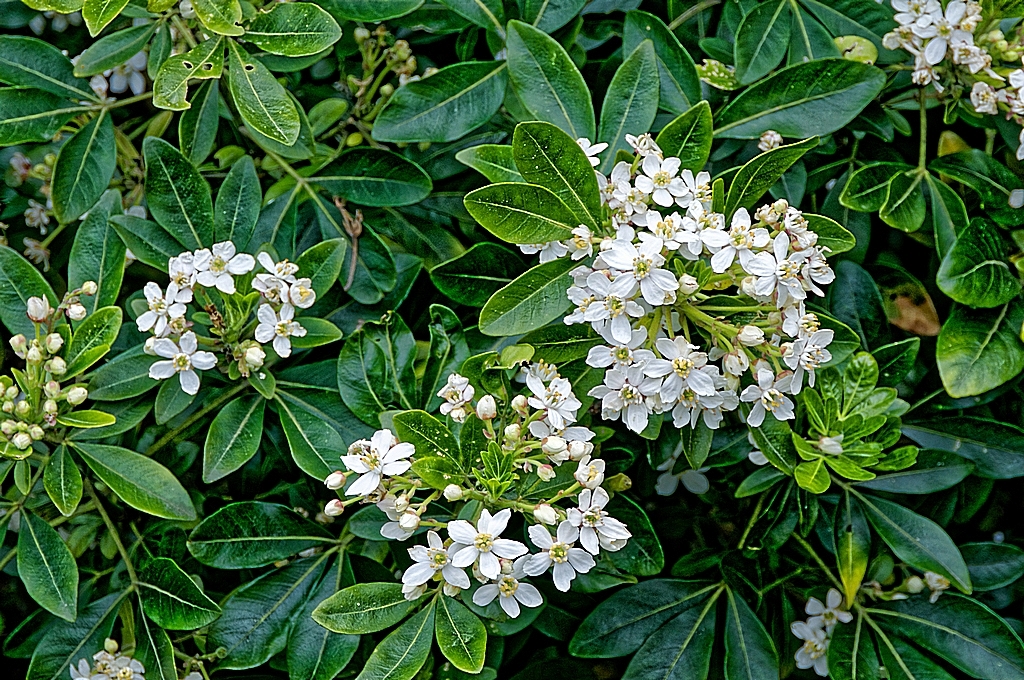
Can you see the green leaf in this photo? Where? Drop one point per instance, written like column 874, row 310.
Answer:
column 87, row 420
column 19, row 281
column 34, row 117
column 99, row 13
column 534, row 299
column 428, row 434
column 868, row 186
column 775, row 440
column 853, row 546
column 113, row 50
column 402, row 653
column 170, row 87
column 855, row 300
column 493, row 161
column 83, row 170
column 680, row 649
column 547, row 82
column 997, row 449
column 376, row 272
column 993, row 181
column 548, row 157
column 233, row 437
column 63, row 481
column 322, row 264
column 550, row 15
column 447, row 351
column 813, row 476
column 319, row 332
column 831, row 234
column 560, row 344
column 238, row 204
column 315, row 653
column 371, row 10
column 965, row 633
column 375, row 177
column 758, row 481
column 896, row 360
column 489, row 14
column 293, row 30
column 933, row 471
column 631, row 102
column 852, row 655
column 314, row 444
column 364, row 608
column 975, row 271
column 917, row 540
column 140, row 482
column 471, row 278
column 375, row 369
column 154, row 649
column 261, row 100
column 30, row 62
column 177, row 195
column 123, row 377
column 749, row 651
column 761, row 172
column 947, row 212
column 642, row 554
column 197, row 127
column 149, row 242
column 689, row 137
column 92, row 340
column 619, row 625
column 680, row 85
column 521, row 213
column 220, row 16
column 253, row 534
column 67, row 642
column 461, row 636
column 97, row 254
column 256, row 618
column 993, row 565
column 47, row 567
column 761, row 40
column 904, row 206
column 803, row 100
column 442, row 108
column 980, row 349
column 172, row 599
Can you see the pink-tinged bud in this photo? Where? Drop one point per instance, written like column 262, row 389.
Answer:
column 89, row 288
column 486, row 409
column 19, row 344
column 546, row 472
column 409, row 521
column 56, row 366
column 335, row 480
column 545, row 514
column 520, row 405
column 38, row 309
column 335, row 508
column 53, row 342
column 552, row 445
column 51, row 388
column 76, row 312
column 76, row 395
column 34, row 355
column 750, row 336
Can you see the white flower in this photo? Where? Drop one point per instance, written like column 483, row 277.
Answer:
column 552, row 250
column 283, row 270
column 611, row 307
column 162, row 307
column 621, row 355
column 944, row 31
column 217, row 269
column 278, row 326
column 183, row 358
column 741, row 239
column 589, row 473
column 711, row 408
column 673, row 233
column 936, row 583
column 581, row 244
column 805, row 355
column 428, row 561
column 778, row 272
column 827, row 615
column 396, row 509
column 592, row 150
column 555, row 399
column 38, row 308
column 983, row 97
column 381, row 456
column 770, row 139
column 914, row 11
column 597, row 528
column 82, row 671
column 832, row 445
column 681, row 363
column 698, row 186
column 37, row 215
column 644, row 144
column 623, row 395
column 182, row 271
column 643, row 265
column 767, row 397
column 483, row 543
column 301, row 294
column 661, row 182
column 544, row 513
column 457, row 392
column 566, row 559
column 1020, row 148
column 128, row 75
column 693, row 481
column 814, row 652
column 511, row 591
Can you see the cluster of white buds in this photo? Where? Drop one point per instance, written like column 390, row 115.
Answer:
column 816, row 631
column 539, row 431
column 196, row 274
column 642, row 294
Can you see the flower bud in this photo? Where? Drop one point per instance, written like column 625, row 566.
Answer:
column 545, row 514
column 110, row 646
column 33, row 356
column 486, row 409
column 450, row 590
column 21, row 441
column 513, row 431
column 148, row 347
column 335, row 480
column 7, row 407
column 453, row 492
column 334, row 508
column 578, row 449
column 255, row 356
column 38, row 309
column 19, row 344
column 76, row 395
column 89, row 288
column 50, row 406
column 12, row 391
column 76, row 311
column 35, row 432
column 56, row 366
column 914, row 584
column 401, row 504
column 552, row 445
column 507, row 566
column 23, row 408
column 53, row 342
column 747, row 286
column 546, row 472
column 361, row 34
column 750, row 336
column 8, row 427
column 688, row 285
column 387, row 89
column 520, row 405
column 409, row 521
column 51, row 388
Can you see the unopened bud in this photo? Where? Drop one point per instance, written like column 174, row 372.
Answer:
column 486, row 409
column 23, row 408
column 618, row 483
column 33, row 356
column 51, row 388
column 360, row 35
column 8, row 427
column 552, row 445
column 76, row 311
column 387, row 89
column 409, row 521
column 334, row 508
column 89, row 288
column 750, row 336
column 401, row 504
column 53, row 342
column 688, row 285
column 38, row 309
column 453, row 492
column 335, row 480
column 19, row 344
column 546, row 472
column 148, row 346
column 50, row 406
column 513, row 431
column 578, row 449
column 12, row 391
column 110, row 646
column 255, row 356
column 76, row 395
column 35, row 432
column 7, row 407
column 520, row 405
column 56, row 366
column 914, row 584
column 21, row 441
column 545, row 514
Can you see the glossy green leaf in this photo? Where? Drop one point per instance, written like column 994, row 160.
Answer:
column 30, row 62
column 319, row 332
column 896, row 360
column 402, row 653
column 975, row 271
column 293, row 30
column 375, row 177
column 170, row 87
column 154, row 649
column 92, row 339
column 314, row 444
column 680, row 86
column 947, row 212
column 97, row 254
column 63, row 481
column 493, row 161
column 238, row 204
column 689, row 137
column 375, row 369
column 761, row 40
column 868, row 186
column 149, row 242
column 47, row 567
column 220, row 16
column 461, row 636
column 113, row 50
column 371, row 10
column 322, row 263
column 547, row 156
column 521, row 213
column 83, row 170
column 997, row 449
column 87, row 419
column 993, row 565
column 99, row 13
column 980, row 349
column 32, row 116
column 471, row 278
column 642, row 554
column 550, row 15
column 631, row 102
column 172, row 599
column 532, row 300
column 428, row 434
column 67, row 642
column 19, row 281
column 123, row 377
column 363, row 608
column 831, row 234
column 315, row 653
column 197, row 127
column 853, row 546
column 680, row 649
column 749, row 651
column 261, row 100
column 762, row 171
column 233, row 437
column 904, row 207
column 177, row 195
column 992, row 180
column 489, row 14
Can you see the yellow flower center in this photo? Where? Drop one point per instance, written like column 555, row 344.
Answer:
column 559, row 552
column 483, row 542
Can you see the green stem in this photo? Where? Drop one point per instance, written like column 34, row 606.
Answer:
column 814, row 555
column 690, row 13
column 751, row 523
column 201, row 413
column 922, row 152
column 113, row 531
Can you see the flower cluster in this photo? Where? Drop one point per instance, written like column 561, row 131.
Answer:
column 816, row 631
column 196, row 275
column 108, row 664
column 642, row 295
column 537, row 433
column 32, row 404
